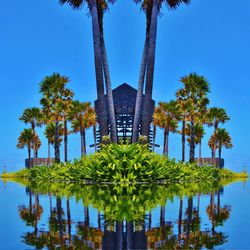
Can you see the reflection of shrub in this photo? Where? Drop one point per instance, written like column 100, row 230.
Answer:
column 125, row 201
column 125, row 163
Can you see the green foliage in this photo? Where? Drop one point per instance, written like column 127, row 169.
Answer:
column 125, row 201
column 125, row 164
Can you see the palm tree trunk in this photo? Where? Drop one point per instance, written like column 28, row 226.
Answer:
column 166, row 136
column 59, row 217
column 180, row 219
column 220, row 149
column 48, row 153
column 189, row 218
column 147, row 110
column 83, row 148
column 69, row 220
column 110, row 101
column 183, row 139
column 154, row 136
column 192, row 141
column 139, row 96
column 29, row 156
column 86, row 216
column 65, row 141
column 57, row 142
column 102, row 117
column 119, row 236
column 94, row 132
column 129, row 234
column 34, row 146
column 162, row 216
column 200, row 153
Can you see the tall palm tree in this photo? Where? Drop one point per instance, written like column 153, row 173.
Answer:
column 65, row 104
column 216, row 117
column 54, row 93
column 184, row 106
column 156, row 6
column 166, row 117
column 194, row 92
column 82, row 116
column 25, row 140
column 102, row 6
column 199, row 132
column 32, row 116
column 147, row 8
column 219, row 140
column 97, row 10
column 49, row 133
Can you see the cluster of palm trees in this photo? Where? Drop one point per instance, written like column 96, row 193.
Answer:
column 190, row 108
column 106, row 117
column 57, row 109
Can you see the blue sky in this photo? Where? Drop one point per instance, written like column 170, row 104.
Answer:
column 209, row 37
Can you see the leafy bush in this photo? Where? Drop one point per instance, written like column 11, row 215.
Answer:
column 125, row 163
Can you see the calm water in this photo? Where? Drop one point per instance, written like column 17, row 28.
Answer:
column 70, row 216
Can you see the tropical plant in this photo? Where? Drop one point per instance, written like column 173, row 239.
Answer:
column 184, row 106
column 49, row 133
column 199, row 133
column 166, row 117
column 25, row 140
column 219, row 140
column 97, row 10
column 29, row 140
column 82, row 117
column 128, row 163
column 65, row 105
column 216, row 116
column 194, row 92
column 32, row 116
column 151, row 9
column 55, row 94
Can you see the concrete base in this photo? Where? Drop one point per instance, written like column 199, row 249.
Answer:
column 210, row 162
column 30, row 163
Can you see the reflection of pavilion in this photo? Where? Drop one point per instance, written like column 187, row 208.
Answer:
column 124, row 97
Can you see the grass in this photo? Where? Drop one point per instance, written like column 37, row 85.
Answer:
column 125, row 164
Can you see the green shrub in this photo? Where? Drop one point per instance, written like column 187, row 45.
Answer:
column 125, row 163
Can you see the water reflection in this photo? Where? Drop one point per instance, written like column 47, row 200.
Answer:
column 124, row 216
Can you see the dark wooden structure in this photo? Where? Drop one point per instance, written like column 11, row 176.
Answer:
column 124, row 97
column 32, row 162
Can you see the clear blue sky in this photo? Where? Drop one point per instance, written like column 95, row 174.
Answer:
column 209, row 37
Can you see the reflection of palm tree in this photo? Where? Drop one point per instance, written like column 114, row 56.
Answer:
column 31, row 215
column 180, row 219
column 69, row 221
column 217, row 214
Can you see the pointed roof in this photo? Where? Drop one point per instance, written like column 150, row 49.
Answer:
column 124, row 95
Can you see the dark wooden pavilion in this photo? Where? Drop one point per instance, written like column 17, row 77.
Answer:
column 124, row 97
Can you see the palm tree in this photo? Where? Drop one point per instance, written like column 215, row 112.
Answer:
column 166, row 117
column 82, row 116
column 199, row 132
column 33, row 117
column 25, row 140
column 184, row 106
column 49, row 133
column 97, row 10
column 216, row 117
column 194, row 92
column 55, row 93
column 147, row 8
column 150, row 58
column 102, row 6
column 219, row 140
column 65, row 107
